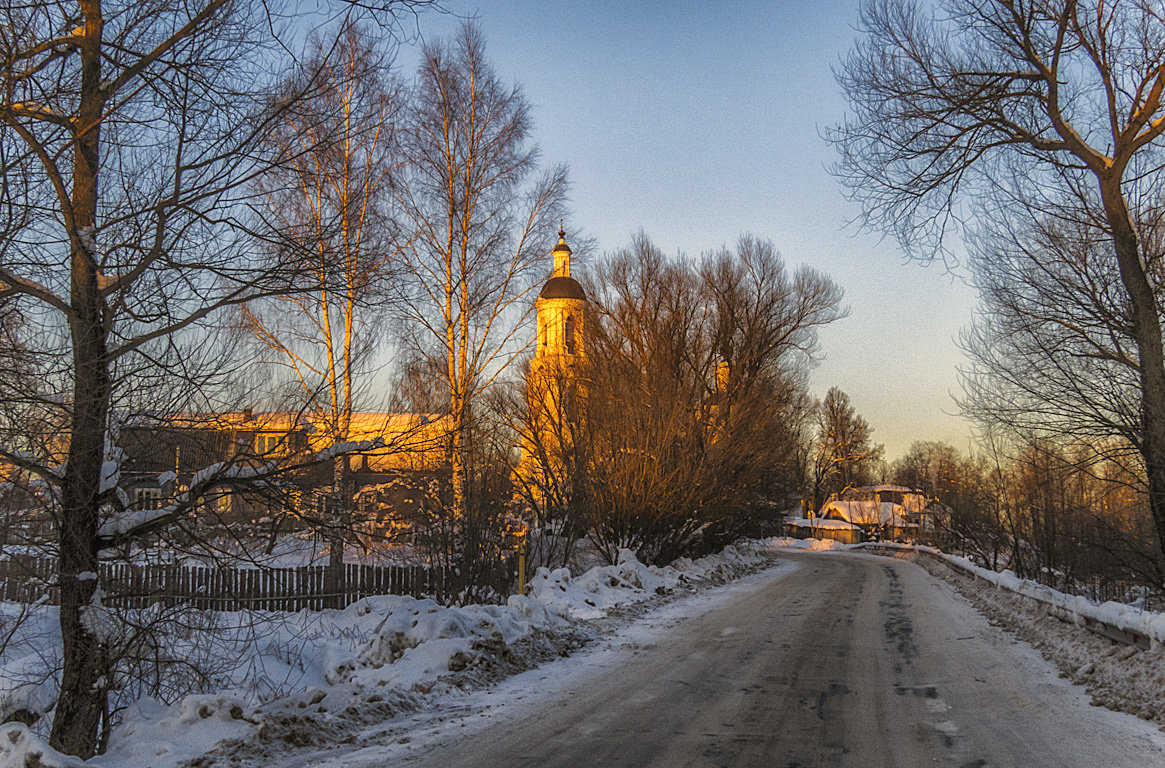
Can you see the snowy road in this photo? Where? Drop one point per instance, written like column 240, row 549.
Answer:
column 849, row 660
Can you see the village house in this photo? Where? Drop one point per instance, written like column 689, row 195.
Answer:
column 884, row 511
column 164, row 456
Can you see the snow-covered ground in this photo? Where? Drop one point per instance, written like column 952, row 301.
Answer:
column 290, row 689
column 315, row 678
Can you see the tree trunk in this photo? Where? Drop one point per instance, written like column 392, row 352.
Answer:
column 84, row 680
column 82, row 699
column 338, row 519
column 1146, row 322
column 458, row 447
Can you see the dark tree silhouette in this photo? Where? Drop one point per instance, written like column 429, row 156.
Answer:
column 1047, row 97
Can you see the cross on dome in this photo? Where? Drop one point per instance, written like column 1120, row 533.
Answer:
column 561, row 255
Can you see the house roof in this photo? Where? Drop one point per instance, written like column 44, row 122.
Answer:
column 241, row 420
column 866, row 512
column 377, row 421
column 399, row 430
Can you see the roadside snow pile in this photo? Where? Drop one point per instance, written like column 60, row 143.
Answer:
column 556, row 594
column 154, row 734
column 20, row 748
column 1127, row 617
column 813, row 545
column 28, row 687
column 417, row 641
column 317, row 678
column 598, row 590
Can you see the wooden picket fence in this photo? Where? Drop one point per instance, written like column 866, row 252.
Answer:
column 26, row 579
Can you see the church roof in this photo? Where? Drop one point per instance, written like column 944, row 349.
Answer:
column 562, row 288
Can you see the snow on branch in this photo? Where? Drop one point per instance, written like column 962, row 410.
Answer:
column 136, row 522
column 349, row 447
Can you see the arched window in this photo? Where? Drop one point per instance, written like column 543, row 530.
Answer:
column 570, row 332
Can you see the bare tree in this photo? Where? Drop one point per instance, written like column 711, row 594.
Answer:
column 1053, row 350
column 1055, row 369
column 844, row 455
column 1064, row 95
column 477, row 222
column 694, row 395
column 330, row 197
column 130, row 133
column 764, row 337
column 643, row 436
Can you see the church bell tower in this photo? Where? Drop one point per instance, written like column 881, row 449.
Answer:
column 556, row 378
column 561, row 309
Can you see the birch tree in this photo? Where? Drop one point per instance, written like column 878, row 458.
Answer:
column 479, row 221
column 330, row 197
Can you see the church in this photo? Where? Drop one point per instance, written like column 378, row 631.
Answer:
column 163, row 456
column 556, row 381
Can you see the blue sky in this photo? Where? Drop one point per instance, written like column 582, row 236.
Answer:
column 696, row 122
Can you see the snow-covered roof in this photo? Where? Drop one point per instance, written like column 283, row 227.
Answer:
column 887, row 487
column 866, row 512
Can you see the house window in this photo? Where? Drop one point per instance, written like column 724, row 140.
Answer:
column 265, row 444
column 148, row 498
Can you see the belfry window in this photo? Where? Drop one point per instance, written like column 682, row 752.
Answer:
column 570, row 342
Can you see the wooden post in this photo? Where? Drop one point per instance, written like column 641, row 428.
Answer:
column 522, row 544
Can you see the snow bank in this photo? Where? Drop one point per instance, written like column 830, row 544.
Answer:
column 20, row 748
column 813, row 545
column 595, row 592
column 158, row 735
column 313, row 676
column 1119, row 677
column 28, row 683
column 417, row 641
